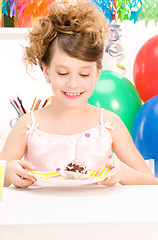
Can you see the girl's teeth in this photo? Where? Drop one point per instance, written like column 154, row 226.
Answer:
column 72, row 94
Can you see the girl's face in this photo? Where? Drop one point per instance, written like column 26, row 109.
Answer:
column 72, row 80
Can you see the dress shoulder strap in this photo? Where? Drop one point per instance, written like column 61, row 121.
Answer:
column 106, row 124
column 33, row 118
column 102, row 116
column 34, row 124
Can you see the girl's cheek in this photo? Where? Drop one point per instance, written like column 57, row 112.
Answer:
column 55, row 84
column 91, row 87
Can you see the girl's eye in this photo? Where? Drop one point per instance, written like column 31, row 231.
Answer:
column 62, row 73
column 84, row 75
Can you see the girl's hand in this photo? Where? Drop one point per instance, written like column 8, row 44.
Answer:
column 16, row 174
column 115, row 178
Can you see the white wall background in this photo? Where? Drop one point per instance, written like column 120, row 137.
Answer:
column 14, row 80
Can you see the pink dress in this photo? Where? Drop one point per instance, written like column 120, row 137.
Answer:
column 48, row 152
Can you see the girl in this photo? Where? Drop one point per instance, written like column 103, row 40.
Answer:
column 68, row 45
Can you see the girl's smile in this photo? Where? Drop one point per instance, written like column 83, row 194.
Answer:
column 72, row 95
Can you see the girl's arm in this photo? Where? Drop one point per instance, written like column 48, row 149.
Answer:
column 13, row 151
column 133, row 168
column 16, row 143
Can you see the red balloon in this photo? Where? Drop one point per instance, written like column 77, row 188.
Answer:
column 145, row 70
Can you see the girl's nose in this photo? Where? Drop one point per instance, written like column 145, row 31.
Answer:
column 72, row 82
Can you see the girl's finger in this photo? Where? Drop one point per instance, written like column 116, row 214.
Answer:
column 110, row 163
column 22, row 173
column 21, row 182
column 26, row 164
column 109, row 181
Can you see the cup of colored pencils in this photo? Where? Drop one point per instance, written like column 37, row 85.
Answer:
column 21, row 110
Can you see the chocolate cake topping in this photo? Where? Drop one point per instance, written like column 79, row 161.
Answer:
column 73, row 167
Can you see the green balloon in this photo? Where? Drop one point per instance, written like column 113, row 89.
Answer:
column 116, row 93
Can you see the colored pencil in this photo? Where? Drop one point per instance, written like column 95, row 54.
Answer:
column 20, row 101
column 33, row 103
column 14, row 106
column 38, row 103
column 45, row 103
column 18, row 107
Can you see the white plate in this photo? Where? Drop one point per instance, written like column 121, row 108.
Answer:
column 56, row 179
column 65, row 182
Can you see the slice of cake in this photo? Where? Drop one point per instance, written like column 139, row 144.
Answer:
column 75, row 170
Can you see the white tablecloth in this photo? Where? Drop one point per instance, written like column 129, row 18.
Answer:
column 89, row 212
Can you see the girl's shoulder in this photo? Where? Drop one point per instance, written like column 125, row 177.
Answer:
column 112, row 117
column 117, row 123
column 42, row 114
column 28, row 119
column 108, row 116
column 24, row 120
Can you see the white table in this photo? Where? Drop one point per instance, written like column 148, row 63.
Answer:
column 120, row 212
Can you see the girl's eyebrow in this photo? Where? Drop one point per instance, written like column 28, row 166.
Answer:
column 87, row 67
column 63, row 66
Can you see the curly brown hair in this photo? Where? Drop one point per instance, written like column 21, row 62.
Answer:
column 78, row 28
